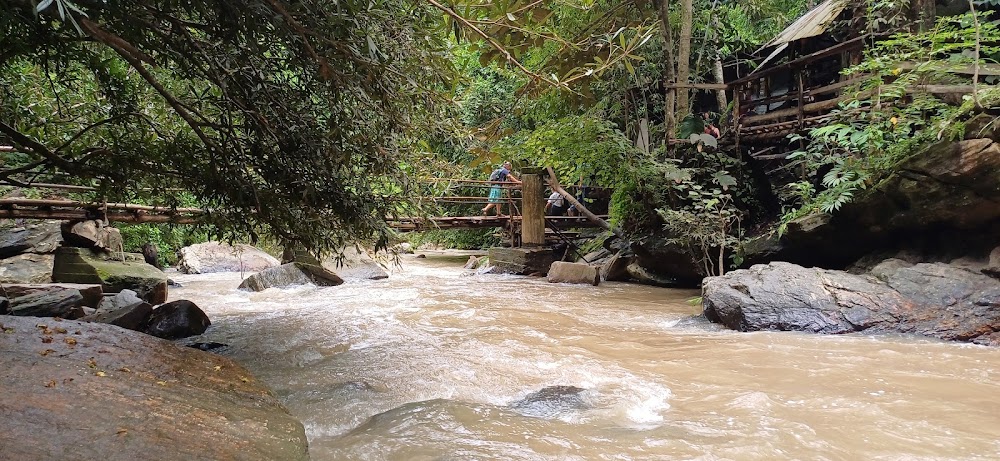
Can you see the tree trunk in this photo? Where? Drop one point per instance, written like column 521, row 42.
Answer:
column 669, row 107
column 922, row 13
column 717, row 71
column 684, row 59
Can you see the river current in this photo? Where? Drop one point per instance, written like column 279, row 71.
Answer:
column 426, row 366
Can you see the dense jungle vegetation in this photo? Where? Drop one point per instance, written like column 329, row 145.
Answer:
column 312, row 121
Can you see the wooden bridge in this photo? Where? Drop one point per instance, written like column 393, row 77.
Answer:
column 523, row 207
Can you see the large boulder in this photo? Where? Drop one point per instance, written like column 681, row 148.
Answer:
column 950, row 188
column 90, row 295
column 39, row 238
column 57, row 302
column 208, row 257
column 660, row 261
column 177, row 319
column 131, row 396
column 91, row 234
column 27, row 268
column 355, row 264
column 81, row 265
column 935, row 300
column 290, row 274
column 581, row 273
column 115, row 301
column 132, row 317
column 349, row 263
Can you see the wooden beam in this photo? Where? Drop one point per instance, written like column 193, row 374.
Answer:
column 856, row 42
column 533, row 210
column 554, row 184
column 699, row 86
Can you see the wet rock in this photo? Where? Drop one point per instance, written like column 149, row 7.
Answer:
column 661, row 260
column 642, row 275
column 113, row 302
column 133, row 317
column 57, row 302
column 38, row 238
column 210, row 346
column 421, row 256
column 290, row 274
column 472, row 263
column 551, row 401
column 130, row 396
column 355, row 264
column 91, row 294
column 935, row 300
column 151, row 255
column 615, row 269
column 4, row 306
column 79, row 265
column 579, row 273
column 177, row 319
column 27, row 268
column 209, row 257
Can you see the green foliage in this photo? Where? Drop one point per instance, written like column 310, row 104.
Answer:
column 459, row 239
column 167, row 239
column 576, row 146
column 705, row 219
column 284, row 118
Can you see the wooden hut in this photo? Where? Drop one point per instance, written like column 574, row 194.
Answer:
column 799, row 81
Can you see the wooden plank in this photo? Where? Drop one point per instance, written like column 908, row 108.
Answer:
column 984, row 68
column 699, row 86
column 856, row 42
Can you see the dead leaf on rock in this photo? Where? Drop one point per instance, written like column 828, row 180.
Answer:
column 60, row 330
column 122, row 431
column 51, row 383
column 46, row 339
column 244, row 379
column 70, row 341
column 46, row 352
column 92, row 363
column 124, row 370
column 8, row 330
column 101, row 374
column 162, row 383
column 218, row 367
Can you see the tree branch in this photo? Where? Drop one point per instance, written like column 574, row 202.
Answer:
column 493, row 43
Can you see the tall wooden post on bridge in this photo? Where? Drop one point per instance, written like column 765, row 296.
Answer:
column 533, row 210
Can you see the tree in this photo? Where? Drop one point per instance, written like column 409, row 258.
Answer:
column 286, row 118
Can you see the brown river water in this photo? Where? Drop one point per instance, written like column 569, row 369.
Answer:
column 425, row 366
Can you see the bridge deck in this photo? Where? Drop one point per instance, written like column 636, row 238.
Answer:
column 479, row 222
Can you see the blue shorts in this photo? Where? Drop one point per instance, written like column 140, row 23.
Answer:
column 495, row 194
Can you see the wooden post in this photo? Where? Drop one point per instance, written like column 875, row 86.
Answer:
column 533, row 210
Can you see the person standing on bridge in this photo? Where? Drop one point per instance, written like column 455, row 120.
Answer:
column 497, row 180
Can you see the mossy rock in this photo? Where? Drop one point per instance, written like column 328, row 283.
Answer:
column 81, row 265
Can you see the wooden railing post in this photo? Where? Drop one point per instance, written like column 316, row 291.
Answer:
column 533, row 210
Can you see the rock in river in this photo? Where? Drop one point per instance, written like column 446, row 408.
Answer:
column 935, row 300
column 208, row 257
column 93, row 391
column 290, row 274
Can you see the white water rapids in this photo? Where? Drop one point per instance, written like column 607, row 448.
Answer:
column 425, row 365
